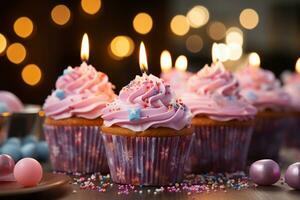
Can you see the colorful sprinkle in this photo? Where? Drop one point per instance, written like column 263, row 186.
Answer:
column 192, row 184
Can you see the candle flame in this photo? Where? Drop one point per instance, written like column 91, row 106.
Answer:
column 84, row 54
column 181, row 63
column 143, row 58
column 165, row 61
column 214, row 52
column 298, row 66
column 254, row 59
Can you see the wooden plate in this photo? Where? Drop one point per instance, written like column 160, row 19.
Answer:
column 48, row 181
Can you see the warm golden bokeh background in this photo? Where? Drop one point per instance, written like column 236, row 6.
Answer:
column 38, row 39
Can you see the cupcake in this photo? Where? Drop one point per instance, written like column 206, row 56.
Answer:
column 9, row 103
column 261, row 88
column 176, row 77
column 292, row 87
column 146, row 134
column 222, row 121
column 73, row 120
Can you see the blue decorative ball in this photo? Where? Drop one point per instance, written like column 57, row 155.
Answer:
column 3, row 107
column 14, row 141
column 60, row 94
column 28, row 150
column 42, row 151
column 30, row 139
column 12, row 150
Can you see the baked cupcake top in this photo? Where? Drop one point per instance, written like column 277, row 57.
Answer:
column 214, row 92
column 10, row 102
column 80, row 92
column 261, row 88
column 292, row 87
column 147, row 102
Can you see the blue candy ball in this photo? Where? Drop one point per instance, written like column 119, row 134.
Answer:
column 30, row 139
column 42, row 151
column 3, row 107
column 14, row 141
column 12, row 150
column 28, row 150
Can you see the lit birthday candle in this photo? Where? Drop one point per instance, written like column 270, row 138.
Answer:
column 176, row 77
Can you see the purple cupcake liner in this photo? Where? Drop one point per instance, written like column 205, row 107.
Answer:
column 292, row 134
column 267, row 139
column 152, row 161
column 219, row 149
column 76, row 149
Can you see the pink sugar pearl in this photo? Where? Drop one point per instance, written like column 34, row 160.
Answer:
column 6, row 165
column 28, row 172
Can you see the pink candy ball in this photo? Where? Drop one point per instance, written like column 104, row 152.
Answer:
column 7, row 165
column 28, row 172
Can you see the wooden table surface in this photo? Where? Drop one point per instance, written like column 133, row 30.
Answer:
column 279, row 191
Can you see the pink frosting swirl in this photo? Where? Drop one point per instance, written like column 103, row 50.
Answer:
column 146, row 102
column 10, row 102
column 214, row 92
column 80, row 92
column 292, row 87
column 262, row 89
column 177, row 80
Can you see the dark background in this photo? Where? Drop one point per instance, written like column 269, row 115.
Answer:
column 53, row 47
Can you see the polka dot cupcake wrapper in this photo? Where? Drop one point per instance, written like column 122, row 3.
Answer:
column 153, row 161
column 76, row 149
column 219, row 149
column 268, row 137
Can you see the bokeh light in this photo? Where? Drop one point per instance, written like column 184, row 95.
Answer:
column 31, row 74
column 16, row 53
column 142, row 23
column 3, row 43
column 298, row 66
column 181, row 63
column 23, row 27
column 60, row 14
column 194, row 43
column 216, row 30
column 122, row 46
column 198, row 16
column 91, row 6
column 220, row 52
column 235, row 50
column 254, row 59
column 249, row 18
column 180, row 25
column 234, row 35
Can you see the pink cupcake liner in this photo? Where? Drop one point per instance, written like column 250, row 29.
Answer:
column 153, row 161
column 219, row 149
column 267, row 139
column 76, row 149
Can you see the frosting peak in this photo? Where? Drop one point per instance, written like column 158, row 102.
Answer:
column 146, row 102
column 80, row 92
column 214, row 92
column 261, row 88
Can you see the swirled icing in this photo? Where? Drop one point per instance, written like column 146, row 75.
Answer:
column 147, row 102
column 80, row 92
column 262, row 89
column 214, row 92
